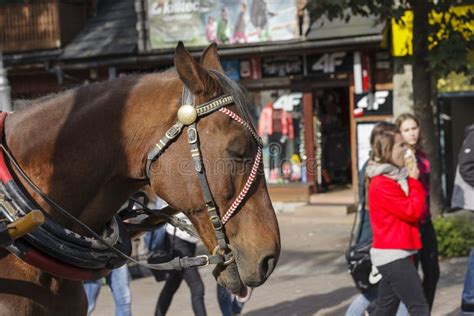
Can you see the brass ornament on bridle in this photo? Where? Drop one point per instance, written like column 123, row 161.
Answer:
column 187, row 114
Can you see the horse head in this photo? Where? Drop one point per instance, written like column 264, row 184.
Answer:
column 229, row 149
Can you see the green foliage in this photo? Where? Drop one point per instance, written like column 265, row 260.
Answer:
column 455, row 235
column 449, row 39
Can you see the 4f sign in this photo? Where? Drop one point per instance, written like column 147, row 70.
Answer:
column 373, row 101
column 327, row 63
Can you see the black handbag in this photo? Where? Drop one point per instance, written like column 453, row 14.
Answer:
column 360, row 266
column 365, row 276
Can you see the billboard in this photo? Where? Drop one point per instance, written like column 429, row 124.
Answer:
column 200, row 22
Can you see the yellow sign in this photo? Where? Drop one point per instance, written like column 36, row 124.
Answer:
column 402, row 32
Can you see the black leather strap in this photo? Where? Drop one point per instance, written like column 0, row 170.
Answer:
column 187, row 262
column 193, row 140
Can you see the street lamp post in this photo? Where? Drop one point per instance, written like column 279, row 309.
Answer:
column 5, row 101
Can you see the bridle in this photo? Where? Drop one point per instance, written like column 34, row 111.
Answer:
column 188, row 114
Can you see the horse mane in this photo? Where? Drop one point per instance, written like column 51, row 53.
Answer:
column 238, row 93
column 88, row 87
column 23, row 104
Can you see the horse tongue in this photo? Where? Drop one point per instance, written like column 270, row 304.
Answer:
column 244, row 294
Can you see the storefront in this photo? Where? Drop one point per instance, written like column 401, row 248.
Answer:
column 314, row 125
column 301, row 85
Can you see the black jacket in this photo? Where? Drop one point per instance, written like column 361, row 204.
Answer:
column 466, row 157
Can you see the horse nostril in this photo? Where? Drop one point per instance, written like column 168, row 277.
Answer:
column 267, row 264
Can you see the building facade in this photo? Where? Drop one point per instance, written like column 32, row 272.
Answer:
column 316, row 90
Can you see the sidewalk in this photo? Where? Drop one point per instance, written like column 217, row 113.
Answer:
column 311, row 277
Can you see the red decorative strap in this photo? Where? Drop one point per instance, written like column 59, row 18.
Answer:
column 253, row 172
column 5, row 175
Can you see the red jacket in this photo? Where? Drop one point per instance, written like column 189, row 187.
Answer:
column 394, row 216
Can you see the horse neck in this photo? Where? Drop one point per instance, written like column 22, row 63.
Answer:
column 85, row 148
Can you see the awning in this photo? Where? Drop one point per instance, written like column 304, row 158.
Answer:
column 112, row 32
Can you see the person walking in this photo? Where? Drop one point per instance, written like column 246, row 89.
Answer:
column 409, row 128
column 119, row 282
column 463, row 198
column 156, row 239
column 365, row 301
column 182, row 245
column 396, row 202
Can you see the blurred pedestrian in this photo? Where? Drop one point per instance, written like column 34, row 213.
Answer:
column 396, row 201
column 463, row 198
column 119, row 282
column 182, row 245
column 155, row 240
column 409, row 127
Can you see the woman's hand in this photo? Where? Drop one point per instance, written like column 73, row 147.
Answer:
column 414, row 172
column 410, row 163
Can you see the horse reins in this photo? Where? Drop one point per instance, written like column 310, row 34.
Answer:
column 188, row 114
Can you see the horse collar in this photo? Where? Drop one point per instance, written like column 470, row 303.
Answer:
column 51, row 247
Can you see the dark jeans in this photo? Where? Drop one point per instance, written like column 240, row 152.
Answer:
column 428, row 258
column 227, row 302
column 182, row 248
column 400, row 281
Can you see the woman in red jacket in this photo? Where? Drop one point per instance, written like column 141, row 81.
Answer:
column 396, row 202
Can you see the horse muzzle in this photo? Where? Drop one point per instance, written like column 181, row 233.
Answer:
column 236, row 277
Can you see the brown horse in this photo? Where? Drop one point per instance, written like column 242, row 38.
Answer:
column 87, row 148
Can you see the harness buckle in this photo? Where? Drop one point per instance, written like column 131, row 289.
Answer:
column 229, row 261
column 192, row 135
column 224, row 255
column 207, row 260
column 216, row 221
column 174, row 131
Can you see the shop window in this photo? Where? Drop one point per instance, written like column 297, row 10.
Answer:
column 280, row 124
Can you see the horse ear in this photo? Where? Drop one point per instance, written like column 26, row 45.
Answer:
column 210, row 58
column 194, row 76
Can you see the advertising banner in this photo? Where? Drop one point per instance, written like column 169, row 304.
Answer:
column 200, row 22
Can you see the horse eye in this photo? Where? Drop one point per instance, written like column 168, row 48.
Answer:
column 236, row 154
column 239, row 157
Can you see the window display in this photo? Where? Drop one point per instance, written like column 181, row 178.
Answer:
column 280, row 125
